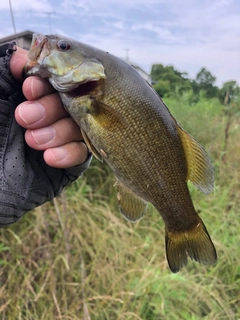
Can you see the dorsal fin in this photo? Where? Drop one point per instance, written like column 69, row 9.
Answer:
column 200, row 170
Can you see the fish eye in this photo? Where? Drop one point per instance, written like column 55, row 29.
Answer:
column 64, row 45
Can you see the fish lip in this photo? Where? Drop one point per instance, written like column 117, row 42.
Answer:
column 38, row 44
column 42, row 45
column 27, row 68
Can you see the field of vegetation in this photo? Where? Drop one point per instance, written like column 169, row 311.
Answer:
column 78, row 258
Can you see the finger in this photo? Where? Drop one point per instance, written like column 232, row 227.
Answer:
column 17, row 63
column 40, row 113
column 59, row 133
column 35, row 88
column 69, row 155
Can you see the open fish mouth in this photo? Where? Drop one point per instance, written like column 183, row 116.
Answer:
column 37, row 46
column 87, row 88
column 35, row 55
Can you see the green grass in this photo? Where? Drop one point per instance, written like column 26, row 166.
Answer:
column 77, row 258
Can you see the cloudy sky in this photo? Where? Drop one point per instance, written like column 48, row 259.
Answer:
column 188, row 34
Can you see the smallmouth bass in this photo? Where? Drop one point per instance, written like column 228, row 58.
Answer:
column 125, row 123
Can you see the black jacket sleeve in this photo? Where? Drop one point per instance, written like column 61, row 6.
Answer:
column 26, row 181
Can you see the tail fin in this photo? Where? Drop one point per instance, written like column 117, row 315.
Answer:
column 195, row 243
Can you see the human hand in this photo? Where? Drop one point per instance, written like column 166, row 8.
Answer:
column 35, row 167
column 49, row 127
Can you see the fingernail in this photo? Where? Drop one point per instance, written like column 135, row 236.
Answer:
column 44, row 135
column 31, row 112
column 58, row 153
column 38, row 86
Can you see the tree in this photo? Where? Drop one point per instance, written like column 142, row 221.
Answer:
column 168, row 80
column 229, row 92
column 204, row 77
column 205, row 81
column 163, row 87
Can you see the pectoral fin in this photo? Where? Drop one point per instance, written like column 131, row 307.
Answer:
column 131, row 206
column 107, row 117
column 200, row 170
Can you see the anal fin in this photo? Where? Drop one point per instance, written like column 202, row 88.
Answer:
column 131, row 206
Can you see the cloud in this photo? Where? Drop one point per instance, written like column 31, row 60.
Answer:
column 185, row 33
column 27, row 5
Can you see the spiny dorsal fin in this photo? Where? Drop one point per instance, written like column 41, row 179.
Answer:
column 131, row 206
column 200, row 170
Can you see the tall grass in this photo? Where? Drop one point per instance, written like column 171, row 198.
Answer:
column 77, row 258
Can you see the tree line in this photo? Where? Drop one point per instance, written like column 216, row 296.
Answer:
column 168, row 81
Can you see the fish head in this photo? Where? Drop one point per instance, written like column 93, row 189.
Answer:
column 63, row 61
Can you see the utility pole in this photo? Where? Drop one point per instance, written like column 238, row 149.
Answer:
column 49, row 20
column 12, row 17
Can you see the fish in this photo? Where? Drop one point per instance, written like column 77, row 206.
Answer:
column 125, row 123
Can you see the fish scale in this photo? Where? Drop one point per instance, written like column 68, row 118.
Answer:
column 126, row 124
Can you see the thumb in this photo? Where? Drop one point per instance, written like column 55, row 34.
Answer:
column 17, row 63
